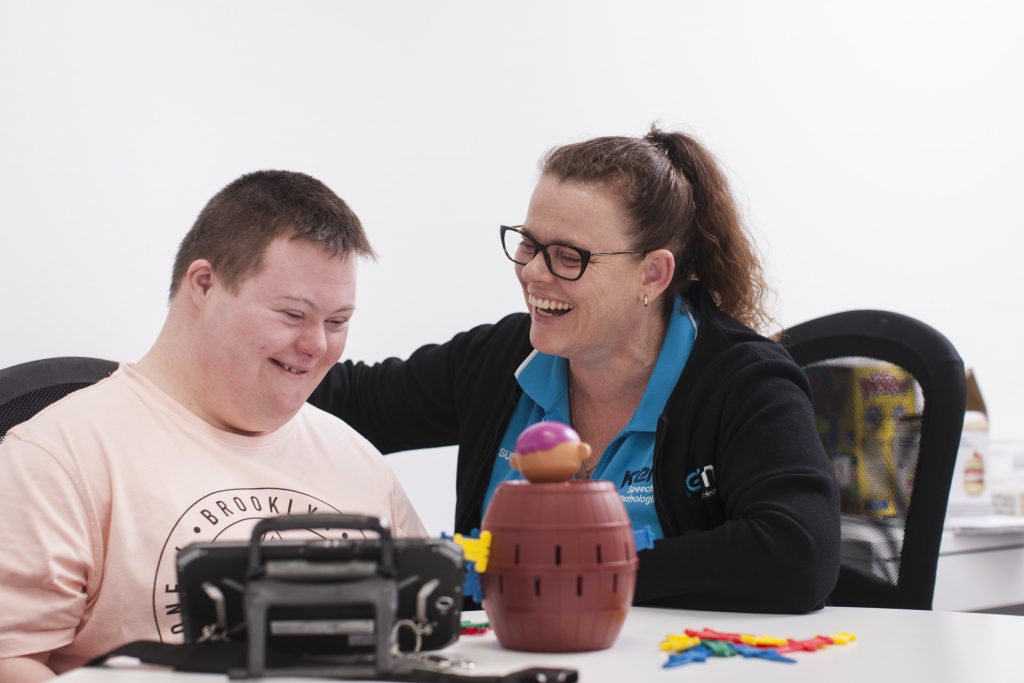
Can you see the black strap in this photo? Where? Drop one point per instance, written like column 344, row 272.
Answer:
column 230, row 658
column 212, row 657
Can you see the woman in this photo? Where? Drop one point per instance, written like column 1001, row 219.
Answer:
column 642, row 289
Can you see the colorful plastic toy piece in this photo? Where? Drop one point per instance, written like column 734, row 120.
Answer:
column 721, row 644
column 762, row 641
column 711, row 634
column 644, row 537
column 476, row 547
column 810, row 645
column 471, row 585
column 474, row 628
column 719, row 648
column 690, row 656
column 768, row 653
column 675, row 642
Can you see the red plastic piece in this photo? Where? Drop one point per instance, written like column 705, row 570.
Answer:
column 711, row 634
column 474, row 630
column 809, row 645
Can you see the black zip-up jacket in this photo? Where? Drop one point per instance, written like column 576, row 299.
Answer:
column 745, row 494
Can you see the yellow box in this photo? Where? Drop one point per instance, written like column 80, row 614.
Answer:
column 868, row 417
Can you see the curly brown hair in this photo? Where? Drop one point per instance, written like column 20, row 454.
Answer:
column 679, row 200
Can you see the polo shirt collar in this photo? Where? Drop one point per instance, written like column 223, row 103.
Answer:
column 543, row 377
column 675, row 351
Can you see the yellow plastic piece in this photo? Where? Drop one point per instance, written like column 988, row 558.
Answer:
column 843, row 638
column 762, row 640
column 477, row 550
column 675, row 642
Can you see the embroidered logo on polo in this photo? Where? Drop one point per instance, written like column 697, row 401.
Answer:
column 637, row 487
column 701, row 481
column 225, row 515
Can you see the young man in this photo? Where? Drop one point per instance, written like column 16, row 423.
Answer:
column 203, row 437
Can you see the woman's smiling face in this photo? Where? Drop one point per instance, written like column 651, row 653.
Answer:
column 587, row 319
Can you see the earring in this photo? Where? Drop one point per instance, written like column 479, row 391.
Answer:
column 645, row 301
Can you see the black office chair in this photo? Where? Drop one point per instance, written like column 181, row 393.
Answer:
column 27, row 388
column 889, row 396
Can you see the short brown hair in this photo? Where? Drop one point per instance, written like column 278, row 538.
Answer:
column 679, row 199
column 235, row 227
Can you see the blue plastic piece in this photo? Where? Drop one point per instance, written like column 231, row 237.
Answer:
column 769, row 653
column 698, row 653
column 643, row 537
column 472, row 586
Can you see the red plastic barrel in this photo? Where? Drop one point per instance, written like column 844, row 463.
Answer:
column 562, row 566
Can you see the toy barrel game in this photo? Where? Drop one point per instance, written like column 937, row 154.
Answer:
column 562, row 565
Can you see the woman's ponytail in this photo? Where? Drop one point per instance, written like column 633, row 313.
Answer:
column 717, row 251
column 680, row 200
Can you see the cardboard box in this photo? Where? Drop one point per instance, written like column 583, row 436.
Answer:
column 1008, row 502
column 1005, row 471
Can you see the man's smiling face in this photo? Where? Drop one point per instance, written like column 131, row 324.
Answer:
column 267, row 345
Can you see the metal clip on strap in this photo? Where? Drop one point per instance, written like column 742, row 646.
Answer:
column 534, row 675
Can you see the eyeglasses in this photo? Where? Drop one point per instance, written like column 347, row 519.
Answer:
column 563, row 260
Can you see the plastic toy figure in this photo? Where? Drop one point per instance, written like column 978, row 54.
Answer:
column 561, row 569
column 549, row 452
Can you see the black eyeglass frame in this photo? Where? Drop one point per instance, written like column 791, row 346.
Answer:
column 585, row 254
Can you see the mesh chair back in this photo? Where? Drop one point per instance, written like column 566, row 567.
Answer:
column 889, row 396
column 27, row 388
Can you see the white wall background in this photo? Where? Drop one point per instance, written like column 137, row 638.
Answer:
column 877, row 147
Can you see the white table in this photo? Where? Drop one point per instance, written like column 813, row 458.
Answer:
column 981, row 564
column 892, row 645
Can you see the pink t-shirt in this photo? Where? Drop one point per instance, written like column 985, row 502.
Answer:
column 98, row 492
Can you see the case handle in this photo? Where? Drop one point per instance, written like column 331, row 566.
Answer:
column 323, row 521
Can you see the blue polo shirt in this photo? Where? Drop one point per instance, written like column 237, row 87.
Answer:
column 628, row 459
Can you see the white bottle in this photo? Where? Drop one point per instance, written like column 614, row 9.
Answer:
column 971, row 493
column 975, row 443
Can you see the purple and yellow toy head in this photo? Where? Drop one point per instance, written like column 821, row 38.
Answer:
column 549, row 452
